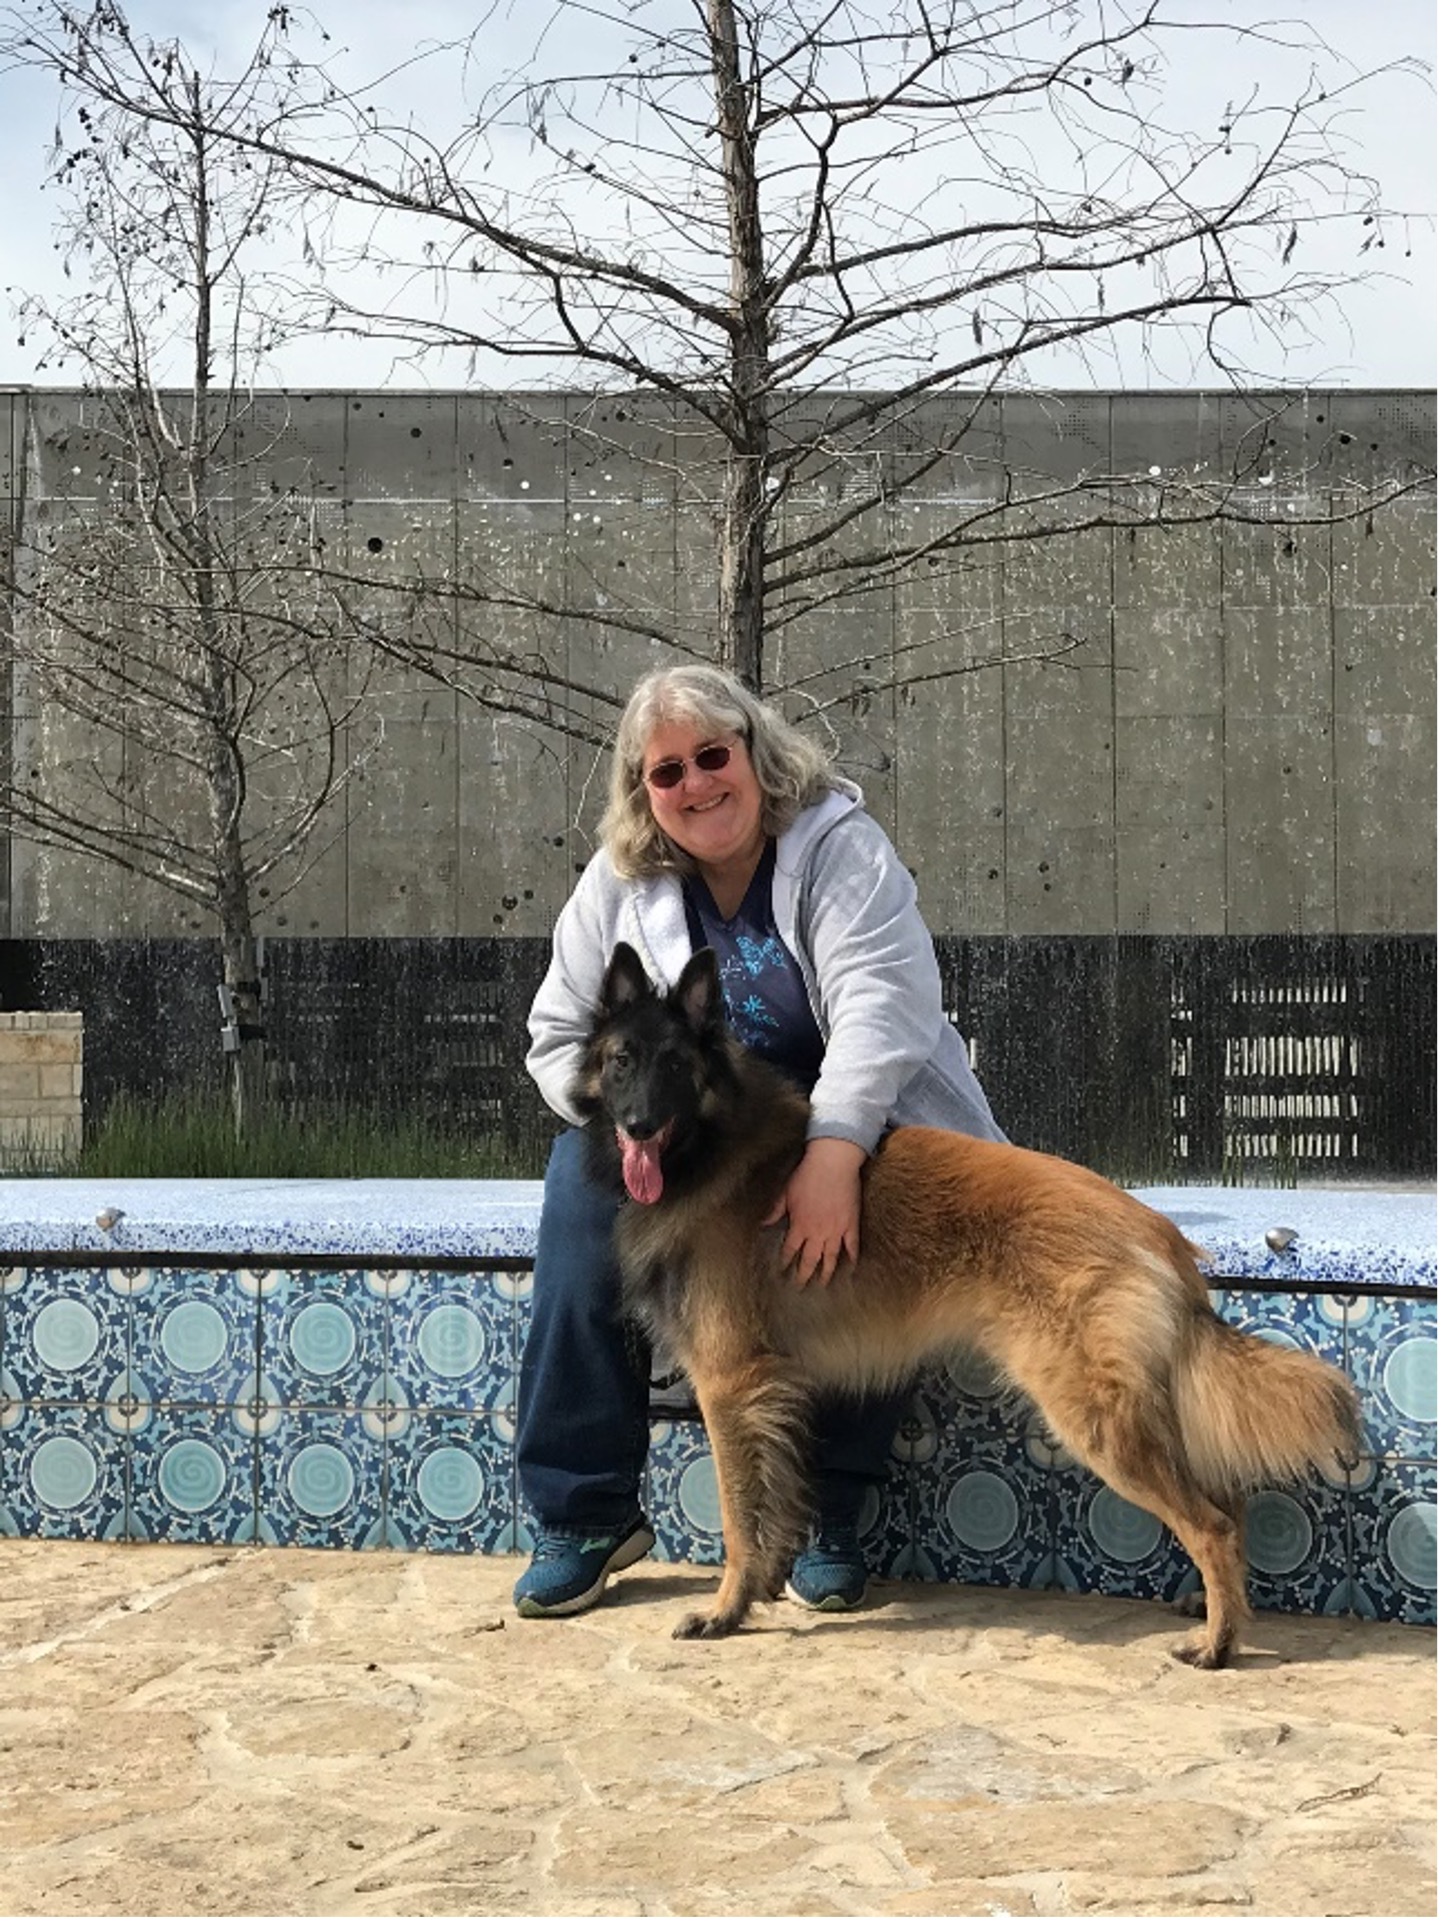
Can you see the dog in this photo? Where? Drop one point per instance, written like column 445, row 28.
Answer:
column 1079, row 1295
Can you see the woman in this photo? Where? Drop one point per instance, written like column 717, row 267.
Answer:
column 726, row 828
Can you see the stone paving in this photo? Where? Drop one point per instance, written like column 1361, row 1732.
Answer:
column 192, row 1730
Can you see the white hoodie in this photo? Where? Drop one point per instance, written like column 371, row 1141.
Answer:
column 846, row 908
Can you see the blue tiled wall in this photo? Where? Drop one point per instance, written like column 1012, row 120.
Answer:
column 360, row 1408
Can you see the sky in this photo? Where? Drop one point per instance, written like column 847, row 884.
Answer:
column 1380, row 335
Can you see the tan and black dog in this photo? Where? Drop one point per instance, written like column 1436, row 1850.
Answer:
column 1085, row 1299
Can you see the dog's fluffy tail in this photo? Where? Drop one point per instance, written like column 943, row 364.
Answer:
column 1254, row 1412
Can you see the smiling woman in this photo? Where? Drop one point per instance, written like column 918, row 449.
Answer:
column 728, row 830
column 707, row 799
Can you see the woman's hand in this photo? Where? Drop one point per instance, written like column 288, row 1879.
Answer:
column 822, row 1206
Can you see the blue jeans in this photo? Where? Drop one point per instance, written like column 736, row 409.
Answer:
column 582, row 1428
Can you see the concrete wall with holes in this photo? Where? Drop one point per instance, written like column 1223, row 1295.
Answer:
column 1239, row 738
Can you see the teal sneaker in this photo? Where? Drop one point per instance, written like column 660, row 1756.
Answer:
column 829, row 1574
column 571, row 1566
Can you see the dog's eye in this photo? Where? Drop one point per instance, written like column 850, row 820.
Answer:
column 620, row 1058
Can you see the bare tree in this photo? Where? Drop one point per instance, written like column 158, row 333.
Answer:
column 187, row 668
column 794, row 224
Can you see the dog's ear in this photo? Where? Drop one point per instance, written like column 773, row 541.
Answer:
column 626, row 980
column 698, row 992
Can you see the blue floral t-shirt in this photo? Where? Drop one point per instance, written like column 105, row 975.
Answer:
column 766, row 998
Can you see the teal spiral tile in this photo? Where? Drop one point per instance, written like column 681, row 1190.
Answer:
column 191, row 1475
column 450, row 1485
column 323, row 1339
column 1280, row 1536
column 1409, row 1380
column 320, row 1478
column 1121, row 1531
column 192, row 1478
column 1298, row 1545
column 1104, row 1544
column 193, row 1336
column 62, row 1473
column 452, row 1345
column 66, row 1335
column 982, row 1511
column 699, row 1497
column 1411, row 1541
column 1394, row 1522
column 1392, row 1357
column 451, row 1340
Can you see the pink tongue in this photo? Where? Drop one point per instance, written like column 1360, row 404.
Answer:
column 641, row 1167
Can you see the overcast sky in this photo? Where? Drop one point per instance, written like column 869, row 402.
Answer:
column 1384, row 335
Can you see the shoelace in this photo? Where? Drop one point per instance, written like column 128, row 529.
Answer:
column 550, row 1547
column 840, row 1541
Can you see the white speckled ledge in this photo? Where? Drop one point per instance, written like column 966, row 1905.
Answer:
column 365, row 1218
column 1344, row 1235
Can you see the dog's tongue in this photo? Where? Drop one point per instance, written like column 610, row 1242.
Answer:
column 641, row 1167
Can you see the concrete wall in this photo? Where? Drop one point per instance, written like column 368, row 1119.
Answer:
column 1243, row 742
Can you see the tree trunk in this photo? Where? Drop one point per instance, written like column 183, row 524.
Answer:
column 744, row 500
column 246, row 1062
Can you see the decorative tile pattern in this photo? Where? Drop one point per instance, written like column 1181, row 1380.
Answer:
column 192, row 1477
column 66, row 1336
column 62, row 1475
column 983, row 1509
column 1394, row 1522
column 322, row 1339
column 452, row 1344
column 320, row 1481
column 680, row 1494
column 449, row 1484
column 1392, row 1356
column 1106, row 1545
column 193, row 1337
column 1299, row 1547
column 366, row 1406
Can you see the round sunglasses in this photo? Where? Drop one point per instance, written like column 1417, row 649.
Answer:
column 671, row 773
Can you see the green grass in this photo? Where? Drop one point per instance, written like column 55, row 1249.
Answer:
column 191, row 1136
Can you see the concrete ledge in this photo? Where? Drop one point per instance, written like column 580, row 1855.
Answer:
column 1344, row 1236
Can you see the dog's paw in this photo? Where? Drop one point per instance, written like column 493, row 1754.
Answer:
column 703, row 1627
column 1191, row 1607
column 1199, row 1654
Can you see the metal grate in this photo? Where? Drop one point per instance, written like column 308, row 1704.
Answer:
column 1147, row 1057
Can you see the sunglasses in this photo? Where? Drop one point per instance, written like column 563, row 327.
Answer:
column 671, row 773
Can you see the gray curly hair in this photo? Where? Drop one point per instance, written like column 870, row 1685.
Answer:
column 792, row 771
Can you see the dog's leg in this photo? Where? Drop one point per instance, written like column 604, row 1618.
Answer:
column 1193, row 1606
column 755, row 1418
column 1136, row 1448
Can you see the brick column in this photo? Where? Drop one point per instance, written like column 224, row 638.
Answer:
column 41, row 1059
